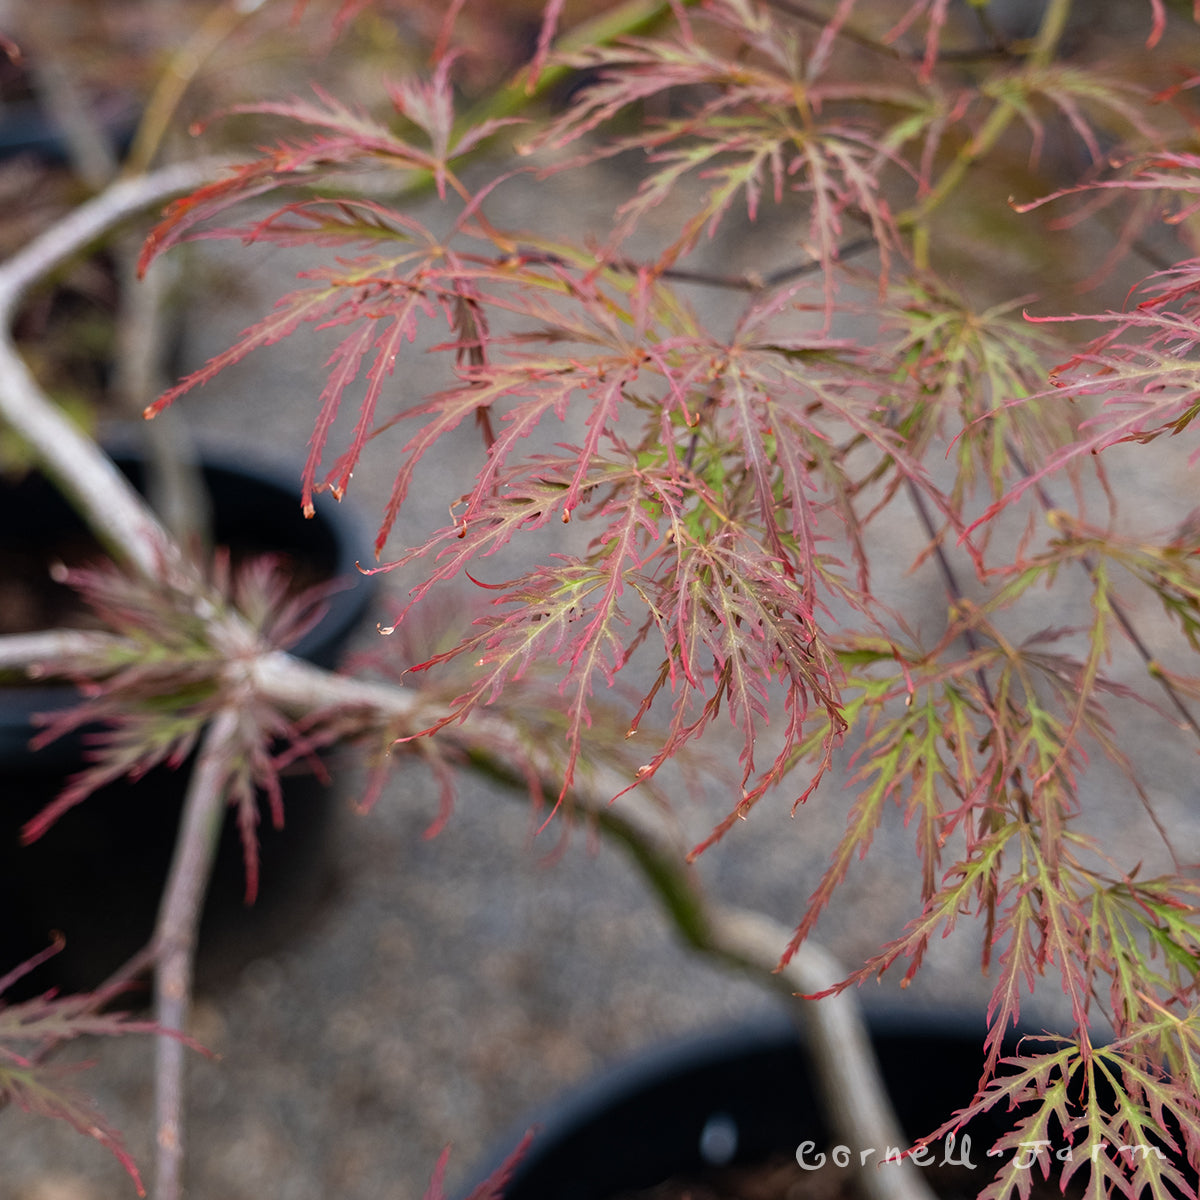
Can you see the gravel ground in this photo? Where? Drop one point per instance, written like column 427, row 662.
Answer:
column 432, row 991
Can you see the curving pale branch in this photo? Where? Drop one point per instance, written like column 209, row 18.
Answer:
column 116, row 513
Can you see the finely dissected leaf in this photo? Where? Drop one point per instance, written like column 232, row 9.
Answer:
column 1071, row 1126
column 45, row 1090
column 1145, row 397
column 349, row 138
column 577, row 595
column 755, row 617
column 550, row 19
column 382, row 308
column 1146, row 945
column 1142, row 369
column 956, row 757
column 291, row 313
column 28, row 1030
column 148, row 696
column 934, row 14
column 1078, row 94
column 758, row 134
column 575, row 612
column 1168, row 173
column 969, row 367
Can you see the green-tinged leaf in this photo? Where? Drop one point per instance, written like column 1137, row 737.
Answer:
column 28, row 1030
column 45, row 1089
column 153, row 689
column 1088, row 1114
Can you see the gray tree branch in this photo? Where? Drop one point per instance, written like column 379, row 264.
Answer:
column 114, row 510
column 175, row 943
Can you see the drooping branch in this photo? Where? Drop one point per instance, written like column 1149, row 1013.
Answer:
column 117, row 515
column 746, row 939
column 843, row 1059
column 844, row 1062
column 286, row 682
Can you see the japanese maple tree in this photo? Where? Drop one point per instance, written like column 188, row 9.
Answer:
column 733, row 479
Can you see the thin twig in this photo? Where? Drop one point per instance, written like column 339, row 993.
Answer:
column 950, row 581
column 93, row 219
column 36, row 653
column 175, row 942
column 752, row 283
column 955, row 594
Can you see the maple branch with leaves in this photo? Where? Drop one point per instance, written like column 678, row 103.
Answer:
column 736, row 474
column 303, row 691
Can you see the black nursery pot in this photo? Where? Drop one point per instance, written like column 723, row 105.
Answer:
column 744, row 1097
column 96, row 876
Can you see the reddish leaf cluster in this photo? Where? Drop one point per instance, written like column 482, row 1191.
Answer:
column 30, row 1030
column 149, row 694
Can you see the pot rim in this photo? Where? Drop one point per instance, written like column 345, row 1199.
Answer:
column 557, row 1124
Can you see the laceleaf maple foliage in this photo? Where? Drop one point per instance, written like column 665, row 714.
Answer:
column 148, row 696
column 31, row 1029
column 732, row 476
